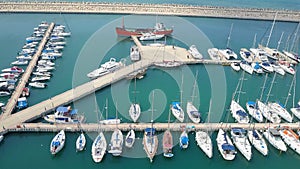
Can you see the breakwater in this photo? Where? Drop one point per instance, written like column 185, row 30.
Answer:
column 149, row 9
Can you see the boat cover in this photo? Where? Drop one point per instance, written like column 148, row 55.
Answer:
column 238, row 130
column 184, row 140
column 150, row 131
column 255, row 135
column 176, row 105
column 73, row 112
column 241, row 113
column 251, row 103
column 228, row 147
column 62, row 109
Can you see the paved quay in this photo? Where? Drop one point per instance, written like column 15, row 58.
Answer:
column 150, row 9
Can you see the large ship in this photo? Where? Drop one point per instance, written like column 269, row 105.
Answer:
column 159, row 29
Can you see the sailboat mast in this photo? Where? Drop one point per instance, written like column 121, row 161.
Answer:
column 228, row 38
column 152, row 107
column 279, row 42
column 271, row 31
column 181, row 88
column 106, row 109
column 240, row 90
column 295, row 36
column 290, row 89
column 294, row 94
column 194, row 87
column 254, row 41
column 263, row 88
column 271, row 87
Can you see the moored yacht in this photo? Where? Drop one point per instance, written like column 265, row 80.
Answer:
column 225, row 145
column 105, row 68
column 193, row 112
column 291, row 55
column 254, row 111
column 194, row 52
column 204, row 142
column 116, row 143
column 177, row 111
column 281, row 111
column 296, row 110
column 267, row 113
column 167, row 144
column 20, row 62
column 277, row 68
column 130, row 138
column 240, row 140
column 38, row 85
column 57, row 142
column 99, row 148
column 258, row 141
column 64, row 115
column 80, row 142
column 228, row 53
column 134, row 111
column 260, row 54
column 246, row 55
column 150, row 142
column 246, row 67
column 134, row 53
column 257, row 68
column 238, row 113
column 214, row 53
column 267, row 67
column 287, row 67
column 235, row 66
column 151, row 36
column 273, row 136
column 291, row 139
column 184, row 140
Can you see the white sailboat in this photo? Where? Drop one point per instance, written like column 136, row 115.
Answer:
column 167, row 144
column 184, row 140
column 273, row 136
column 254, row 111
column 194, row 52
column 240, row 140
column 135, row 109
column 130, row 138
column 58, row 142
column 235, row 66
column 225, row 145
column 258, row 141
column 191, row 110
column 176, row 109
column 291, row 139
column 214, row 54
column 80, row 142
column 116, row 141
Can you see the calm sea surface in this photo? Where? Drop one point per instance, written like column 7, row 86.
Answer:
column 94, row 41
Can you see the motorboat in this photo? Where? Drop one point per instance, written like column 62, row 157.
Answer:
column 194, row 52
column 134, row 53
column 44, row 68
column 151, row 36
column 130, row 138
column 267, row 113
column 20, row 62
column 4, row 91
column 13, row 69
column 177, row 111
column 57, row 142
column 48, row 57
column 273, row 136
column 56, row 39
column 7, row 78
column 150, row 143
column 51, row 54
column 57, row 43
column 167, row 143
column 254, row 111
column 291, row 55
column 267, row 67
column 193, row 112
column 80, row 142
column 228, row 53
column 225, row 145
column 184, row 140
column 277, row 68
column 134, row 111
column 24, row 57
column 257, row 68
column 42, row 73
column 40, row 78
column 247, row 55
column 63, row 34
column 296, row 110
column 46, row 63
column 105, row 68
column 238, row 113
column 25, row 92
column 14, row 75
column 260, row 54
column 213, row 53
column 204, row 142
column 291, row 139
column 64, row 115
column 246, row 67
column 240, row 140
column 38, row 85
column 287, row 67
column 258, row 141
column 22, row 103
column 281, row 111
column 110, row 121
column 33, row 39
column 99, row 148
column 235, row 66
column 168, row 64
column 116, row 143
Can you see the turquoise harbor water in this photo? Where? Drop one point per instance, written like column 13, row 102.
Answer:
column 94, row 41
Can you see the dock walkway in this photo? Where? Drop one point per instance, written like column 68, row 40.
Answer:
column 11, row 104
column 150, row 9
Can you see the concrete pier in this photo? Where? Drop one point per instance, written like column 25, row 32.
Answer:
column 150, row 9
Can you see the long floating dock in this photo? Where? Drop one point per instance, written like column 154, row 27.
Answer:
column 11, row 104
column 149, row 9
column 94, row 127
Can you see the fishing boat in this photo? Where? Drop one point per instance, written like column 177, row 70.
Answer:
column 240, row 140
column 247, row 55
column 254, row 111
column 134, row 53
column 38, row 85
column 184, row 140
column 99, row 148
column 57, row 142
column 159, row 29
column 65, row 115
column 267, row 113
column 257, row 68
column 116, row 143
column 291, row 139
column 150, row 143
column 80, row 142
column 194, row 52
column 267, row 67
column 235, row 66
column 273, row 136
column 204, row 142
column 280, row 110
column 130, row 138
column 296, row 110
column 151, row 36
column 177, row 111
column 22, row 103
column 225, row 145
column 214, row 54
column 246, row 67
column 258, row 141
column 108, row 67
column 238, row 113
column 167, row 144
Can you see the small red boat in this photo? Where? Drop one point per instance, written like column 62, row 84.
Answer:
column 25, row 92
column 159, row 29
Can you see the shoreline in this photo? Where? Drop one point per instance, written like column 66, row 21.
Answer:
column 149, row 9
